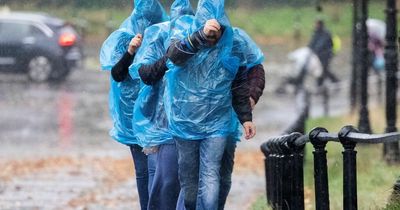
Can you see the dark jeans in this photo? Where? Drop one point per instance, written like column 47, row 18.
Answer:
column 152, row 164
column 226, row 172
column 140, row 161
column 165, row 188
column 199, row 172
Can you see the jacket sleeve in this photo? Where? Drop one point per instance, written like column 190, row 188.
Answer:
column 321, row 44
column 256, row 78
column 121, row 70
column 152, row 73
column 180, row 51
column 241, row 96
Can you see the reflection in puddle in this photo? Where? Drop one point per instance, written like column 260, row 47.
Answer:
column 65, row 106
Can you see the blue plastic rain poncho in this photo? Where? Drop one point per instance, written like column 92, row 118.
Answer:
column 123, row 94
column 198, row 94
column 246, row 49
column 249, row 55
column 150, row 123
column 145, row 14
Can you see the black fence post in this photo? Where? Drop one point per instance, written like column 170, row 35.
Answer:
column 273, row 180
column 391, row 151
column 284, row 168
column 298, row 175
column 287, row 181
column 364, row 124
column 266, row 148
column 298, row 192
column 278, row 179
column 349, row 169
column 395, row 197
column 354, row 72
column 320, row 170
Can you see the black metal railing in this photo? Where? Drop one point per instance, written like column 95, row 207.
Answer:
column 284, row 171
column 284, row 166
column 284, row 158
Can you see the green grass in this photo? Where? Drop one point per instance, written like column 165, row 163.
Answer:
column 393, row 207
column 284, row 21
column 260, row 204
column 375, row 178
column 271, row 21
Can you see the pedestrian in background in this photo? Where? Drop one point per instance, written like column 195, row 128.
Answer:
column 322, row 45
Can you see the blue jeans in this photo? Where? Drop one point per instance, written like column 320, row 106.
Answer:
column 142, row 177
column 226, row 172
column 199, row 172
column 165, row 189
column 152, row 164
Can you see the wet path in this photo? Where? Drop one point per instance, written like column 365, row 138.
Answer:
column 56, row 154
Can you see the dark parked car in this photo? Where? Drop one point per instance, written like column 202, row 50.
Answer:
column 44, row 47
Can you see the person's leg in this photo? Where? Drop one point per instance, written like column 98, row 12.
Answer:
column 226, row 172
column 299, row 80
column 332, row 77
column 324, row 75
column 140, row 161
column 165, row 190
column 152, row 167
column 211, row 151
column 320, row 81
column 188, row 164
column 329, row 74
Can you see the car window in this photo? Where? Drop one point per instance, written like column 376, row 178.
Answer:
column 14, row 30
column 36, row 32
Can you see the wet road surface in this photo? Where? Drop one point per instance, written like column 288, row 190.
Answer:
column 56, row 154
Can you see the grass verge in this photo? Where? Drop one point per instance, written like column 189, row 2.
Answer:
column 375, row 178
column 271, row 21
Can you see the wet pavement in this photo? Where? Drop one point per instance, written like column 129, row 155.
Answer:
column 56, row 154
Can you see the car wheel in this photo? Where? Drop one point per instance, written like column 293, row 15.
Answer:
column 39, row 69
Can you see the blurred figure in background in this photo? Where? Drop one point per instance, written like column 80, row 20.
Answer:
column 376, row 44
column 376, row 52
column 304, row 64
column 322, row 45
column 313, row 60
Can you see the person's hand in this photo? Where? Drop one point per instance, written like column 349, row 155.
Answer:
column 135, row 44
column 252, row 103
column 249, row 130
column 211, row 28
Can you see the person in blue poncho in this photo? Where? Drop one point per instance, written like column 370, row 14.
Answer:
column 116, row 53
column 149, row 118
column 150, row 101
column 251, row 58
column 199, row 103
column 149, row 122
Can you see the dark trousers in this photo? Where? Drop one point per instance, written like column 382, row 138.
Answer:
column 226, row 172
column 142, row 176
column 326, row 74
column 165, row 187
